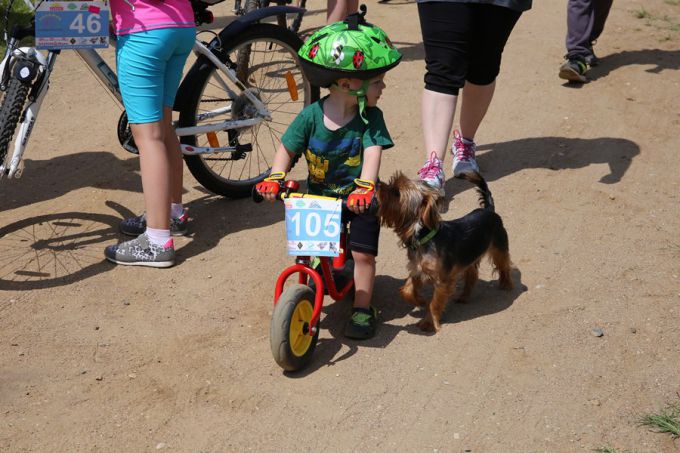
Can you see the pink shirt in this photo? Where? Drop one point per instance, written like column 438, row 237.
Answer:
column 151, row 14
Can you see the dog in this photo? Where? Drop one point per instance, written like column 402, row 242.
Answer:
column 439, row 251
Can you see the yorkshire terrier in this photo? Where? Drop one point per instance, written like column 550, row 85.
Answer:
column 439, row 251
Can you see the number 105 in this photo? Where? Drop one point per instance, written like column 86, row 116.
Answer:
column 313, row 224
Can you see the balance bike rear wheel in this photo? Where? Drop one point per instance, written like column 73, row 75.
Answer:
column 292, row 346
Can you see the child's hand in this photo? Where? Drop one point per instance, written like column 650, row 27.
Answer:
column 269, row 188
column 359, row 200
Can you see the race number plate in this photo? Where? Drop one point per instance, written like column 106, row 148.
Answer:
column 72, row 25
column 313, row 226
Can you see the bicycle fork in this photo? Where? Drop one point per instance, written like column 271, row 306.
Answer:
column 12, row 167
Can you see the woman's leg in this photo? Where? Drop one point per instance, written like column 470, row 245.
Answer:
column 337, row 10
column 438, row 111
column 476, row 101
column 493, row 25
column 446, row 29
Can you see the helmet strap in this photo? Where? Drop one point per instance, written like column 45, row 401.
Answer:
column 361, row 99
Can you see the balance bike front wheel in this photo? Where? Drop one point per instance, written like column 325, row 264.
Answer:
column 292, row 345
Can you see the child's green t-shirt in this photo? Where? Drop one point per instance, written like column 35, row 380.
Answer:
column 334, row 158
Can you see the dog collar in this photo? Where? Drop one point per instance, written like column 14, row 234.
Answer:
column 425, row 239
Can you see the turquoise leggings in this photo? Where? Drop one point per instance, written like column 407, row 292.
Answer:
column 150, row 65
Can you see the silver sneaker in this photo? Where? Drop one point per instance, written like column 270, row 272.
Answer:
column 463, row 156
column 141, row 252
column 134, row 226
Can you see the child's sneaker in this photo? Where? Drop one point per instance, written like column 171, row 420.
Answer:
column 463, row 155
column 432, row 173
column 134, row 226
column 141, row 252
column 362, row 323
column 574, row 70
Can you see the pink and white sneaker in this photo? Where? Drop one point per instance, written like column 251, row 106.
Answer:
column 432, row 173
column 463, row 155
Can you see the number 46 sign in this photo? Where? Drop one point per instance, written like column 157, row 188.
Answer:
column 72, row 24
column 313, row 226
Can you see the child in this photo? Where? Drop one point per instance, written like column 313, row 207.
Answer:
column 342, row 137
column 154, row 41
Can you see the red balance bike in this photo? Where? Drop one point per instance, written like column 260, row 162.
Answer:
column 294, row 329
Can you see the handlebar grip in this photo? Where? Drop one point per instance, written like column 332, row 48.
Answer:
column 371, row 209
column 257, row 198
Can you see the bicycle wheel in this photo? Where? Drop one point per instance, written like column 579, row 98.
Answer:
column 274, row 75
column 12, row 105
column 292, row 346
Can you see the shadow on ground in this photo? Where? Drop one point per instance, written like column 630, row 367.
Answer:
column 660, row 60
column 486, row 299
column 498, row 160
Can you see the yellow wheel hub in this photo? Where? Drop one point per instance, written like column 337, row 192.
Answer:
column 299, row 336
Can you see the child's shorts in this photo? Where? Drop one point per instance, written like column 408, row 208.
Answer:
column 150, row 65
column 364, row 232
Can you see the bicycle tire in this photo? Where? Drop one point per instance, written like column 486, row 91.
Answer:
column 291, row 345
column 11, row 108
column 273, row 63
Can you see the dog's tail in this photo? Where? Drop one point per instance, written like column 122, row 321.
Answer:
column 485, row 198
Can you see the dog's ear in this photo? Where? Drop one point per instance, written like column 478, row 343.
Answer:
column 430, row 213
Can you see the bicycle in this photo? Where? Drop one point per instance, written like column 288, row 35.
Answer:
column 294, row 327
column 230, row 118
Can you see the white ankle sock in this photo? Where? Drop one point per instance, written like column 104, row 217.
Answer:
column 176, row 210
column 158, row 237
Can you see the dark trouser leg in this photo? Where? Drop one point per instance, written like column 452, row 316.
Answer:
column 602, row 8
column 580, row 24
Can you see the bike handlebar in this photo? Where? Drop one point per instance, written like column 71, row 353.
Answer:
column 290, row 187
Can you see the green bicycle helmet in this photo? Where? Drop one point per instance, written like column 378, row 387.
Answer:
column 352, row 48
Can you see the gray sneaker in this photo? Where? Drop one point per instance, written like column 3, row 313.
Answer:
column 134, row 226
column 141, row 252
column 574, row 70
column 463, row 156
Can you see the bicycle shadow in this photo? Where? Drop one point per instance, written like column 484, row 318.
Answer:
column 62, row 248
column 53, row 250
column 487, row 299
column 63, row 174
column 498, row 160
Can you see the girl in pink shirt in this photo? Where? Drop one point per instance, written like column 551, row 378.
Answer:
column 155, row 38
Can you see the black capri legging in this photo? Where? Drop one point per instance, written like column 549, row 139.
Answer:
column 463, row 41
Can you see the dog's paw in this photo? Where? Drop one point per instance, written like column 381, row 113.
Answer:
column 426, row 325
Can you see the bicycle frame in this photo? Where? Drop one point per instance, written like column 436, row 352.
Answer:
column 304, row 270
column 110, row 81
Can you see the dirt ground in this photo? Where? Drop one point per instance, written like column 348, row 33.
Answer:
column 95, row 357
